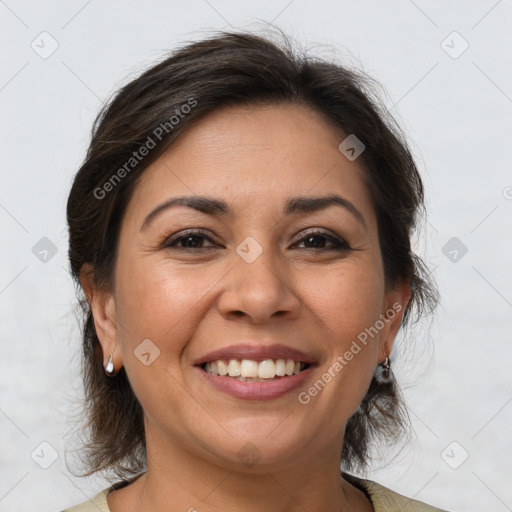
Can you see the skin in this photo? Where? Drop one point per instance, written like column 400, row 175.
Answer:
column 189, row 301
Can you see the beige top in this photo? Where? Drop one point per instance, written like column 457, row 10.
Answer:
column 383, row 499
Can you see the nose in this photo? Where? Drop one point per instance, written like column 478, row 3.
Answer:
column 259, row 291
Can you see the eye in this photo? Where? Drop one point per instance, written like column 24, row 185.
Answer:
column 188, row 239
column 193, row 239
column 317, row 239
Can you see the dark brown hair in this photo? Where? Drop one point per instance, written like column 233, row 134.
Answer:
column 151, row 111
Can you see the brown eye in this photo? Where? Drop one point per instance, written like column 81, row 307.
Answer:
column 320, row 240
column 191, row 239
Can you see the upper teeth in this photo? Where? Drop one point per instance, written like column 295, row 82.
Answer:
column 267, row 369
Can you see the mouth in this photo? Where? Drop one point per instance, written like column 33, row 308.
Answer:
column 250, row 370
column 255, row 372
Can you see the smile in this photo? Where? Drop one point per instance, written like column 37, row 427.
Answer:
column 248, row 370
column 269, row 387
column 255, row 371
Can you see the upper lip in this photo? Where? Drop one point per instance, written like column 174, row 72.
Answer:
column 256, row 353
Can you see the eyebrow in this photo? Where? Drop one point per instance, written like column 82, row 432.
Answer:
column 216, row 207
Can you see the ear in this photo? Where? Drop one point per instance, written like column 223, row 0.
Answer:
column 104, row 315
column 395, row 303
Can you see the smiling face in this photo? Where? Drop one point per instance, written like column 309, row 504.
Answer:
column 248, row 262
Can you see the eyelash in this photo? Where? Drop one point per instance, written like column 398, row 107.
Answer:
column 171, row 242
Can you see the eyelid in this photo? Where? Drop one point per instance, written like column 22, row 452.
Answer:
column 185, row 233
column 338, row 242
column 333, row 238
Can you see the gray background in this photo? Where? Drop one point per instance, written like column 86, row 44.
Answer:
column 456, row 108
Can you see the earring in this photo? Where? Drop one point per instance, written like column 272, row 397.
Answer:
column 383, row 372
column 109, row 369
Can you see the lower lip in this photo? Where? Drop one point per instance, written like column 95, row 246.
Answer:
column 257, row 390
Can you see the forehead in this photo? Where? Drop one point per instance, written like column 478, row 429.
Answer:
column 255, row 156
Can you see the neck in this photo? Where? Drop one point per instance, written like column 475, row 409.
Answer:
column 178, row 477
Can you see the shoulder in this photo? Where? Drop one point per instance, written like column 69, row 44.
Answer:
column 96, row 504
column 382, row 498
column 386, row 500
column 99, row 502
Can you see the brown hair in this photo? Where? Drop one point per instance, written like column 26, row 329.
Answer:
column 233, row 69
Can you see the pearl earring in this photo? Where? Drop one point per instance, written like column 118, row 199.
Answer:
column 109, row 369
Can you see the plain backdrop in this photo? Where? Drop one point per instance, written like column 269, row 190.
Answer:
column 446, row 69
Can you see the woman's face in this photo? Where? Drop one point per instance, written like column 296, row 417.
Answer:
column 258, row 273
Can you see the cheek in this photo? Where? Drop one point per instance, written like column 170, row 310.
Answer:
column 348, row 303
column 162, row 304
column 165, row 306
column 347, row 300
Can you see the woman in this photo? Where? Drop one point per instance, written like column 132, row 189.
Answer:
column 241, row 231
